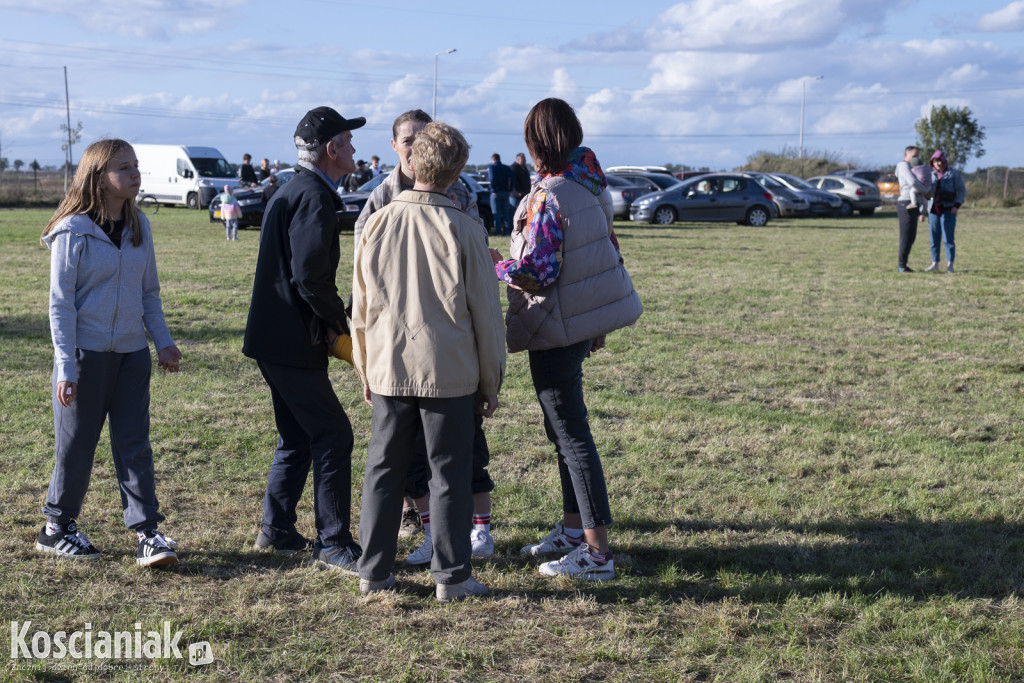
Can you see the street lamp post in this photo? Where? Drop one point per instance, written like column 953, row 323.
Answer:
column 803, row 99
column 433, row 111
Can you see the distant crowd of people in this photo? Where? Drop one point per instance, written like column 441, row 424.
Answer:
column 423, row 330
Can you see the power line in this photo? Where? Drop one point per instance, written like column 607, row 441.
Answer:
column 156, row 112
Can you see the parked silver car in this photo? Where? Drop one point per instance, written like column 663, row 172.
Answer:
column 857, row 194
column 623, row 192
column 788, row 204
column 821, row 203
column 709, row 197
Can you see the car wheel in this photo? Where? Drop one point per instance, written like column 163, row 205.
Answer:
column 867, row 212
column 757, row 216
column 664, row 215
column 192, row 201
column 846, row 209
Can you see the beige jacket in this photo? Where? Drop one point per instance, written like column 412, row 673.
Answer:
column 593, row 294
column 426, row 315
column 392, row 186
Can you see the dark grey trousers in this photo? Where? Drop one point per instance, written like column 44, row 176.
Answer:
column 112, row 387
column 447, row 425
column 558, row 380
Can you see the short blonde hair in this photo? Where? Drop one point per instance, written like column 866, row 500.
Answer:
column 439, row 154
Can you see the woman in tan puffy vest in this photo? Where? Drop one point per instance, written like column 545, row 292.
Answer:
column 567, row 289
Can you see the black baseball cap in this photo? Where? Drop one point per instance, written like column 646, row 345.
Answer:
column 323, row 123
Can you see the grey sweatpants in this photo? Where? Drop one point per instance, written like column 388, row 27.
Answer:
column 112, row 387
column 447, row 425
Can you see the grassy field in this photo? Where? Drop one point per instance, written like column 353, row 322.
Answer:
column 814, row 464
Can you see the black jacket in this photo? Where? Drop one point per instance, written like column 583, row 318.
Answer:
column 294, row 293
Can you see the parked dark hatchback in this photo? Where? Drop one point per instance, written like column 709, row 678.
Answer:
column 709, row 197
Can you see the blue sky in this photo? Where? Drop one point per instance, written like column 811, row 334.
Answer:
column 702, row 82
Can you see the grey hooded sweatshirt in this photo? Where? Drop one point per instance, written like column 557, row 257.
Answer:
column 101, row 298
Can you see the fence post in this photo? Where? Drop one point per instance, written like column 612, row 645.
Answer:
column 1006, row 182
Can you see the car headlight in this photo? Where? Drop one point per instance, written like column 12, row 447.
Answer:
column 205, row 183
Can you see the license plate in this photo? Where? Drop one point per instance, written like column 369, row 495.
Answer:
column 216, row 214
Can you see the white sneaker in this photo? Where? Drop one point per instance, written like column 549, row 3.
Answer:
column 459, row 591
column 555, row 542
column 933, row 266
column 422, row 554
column 366, row 586
column 482, row 543
column 580, row 564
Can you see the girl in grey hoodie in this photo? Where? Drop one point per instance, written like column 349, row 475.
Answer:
column 104, row 297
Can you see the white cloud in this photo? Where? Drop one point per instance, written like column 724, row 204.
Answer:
column 1009, row 18
column 737, row 25
column 563, row 86
column 698, row 72
column 965, row 75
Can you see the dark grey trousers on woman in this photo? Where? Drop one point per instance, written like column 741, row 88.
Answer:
column 447, row 426
column 112, row 387
column 558, row 381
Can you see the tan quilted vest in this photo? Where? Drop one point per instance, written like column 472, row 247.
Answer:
column 593, row 294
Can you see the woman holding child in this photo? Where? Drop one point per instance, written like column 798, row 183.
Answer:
column 567, row 289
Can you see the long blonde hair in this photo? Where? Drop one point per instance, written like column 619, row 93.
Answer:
column 86, row 197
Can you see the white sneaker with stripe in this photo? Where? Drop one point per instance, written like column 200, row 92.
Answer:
column 155, row 549
column 66, row 541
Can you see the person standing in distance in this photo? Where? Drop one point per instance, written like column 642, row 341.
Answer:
column 295, row 317
column 520, row 181
column 908, row 215
column 246, row 173
column 501, row 180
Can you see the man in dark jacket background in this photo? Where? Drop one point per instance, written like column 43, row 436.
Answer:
column 295, row 315
column 500, row 177
column 520, row 181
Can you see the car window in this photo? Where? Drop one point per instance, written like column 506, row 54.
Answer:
column 732, row 185
column 830, row 184
column 471, row 183
column 662, row 180
column 645, row 183
column 372, row 183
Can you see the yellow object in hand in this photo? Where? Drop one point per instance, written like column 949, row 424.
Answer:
column 342, row 348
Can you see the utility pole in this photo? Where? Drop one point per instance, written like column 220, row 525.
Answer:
column 803, row 98
column 67, row 106
column 433, row 110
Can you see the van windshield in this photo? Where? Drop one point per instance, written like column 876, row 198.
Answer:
column 212, row 168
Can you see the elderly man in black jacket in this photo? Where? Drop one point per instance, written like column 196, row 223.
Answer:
column 295, row 316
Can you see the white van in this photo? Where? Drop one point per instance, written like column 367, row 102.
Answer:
column 179, row 174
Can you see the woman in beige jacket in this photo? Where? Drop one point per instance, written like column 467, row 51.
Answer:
column 427, row 344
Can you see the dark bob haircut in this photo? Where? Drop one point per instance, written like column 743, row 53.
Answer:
column 552, row 131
